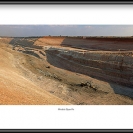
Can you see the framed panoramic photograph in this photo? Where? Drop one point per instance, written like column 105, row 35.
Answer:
column 66, row 66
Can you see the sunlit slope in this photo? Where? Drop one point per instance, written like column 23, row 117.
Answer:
column 14, row 87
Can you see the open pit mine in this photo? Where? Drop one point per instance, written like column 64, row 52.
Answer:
column 66, row 70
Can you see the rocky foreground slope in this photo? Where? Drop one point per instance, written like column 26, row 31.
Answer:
column 78, row 70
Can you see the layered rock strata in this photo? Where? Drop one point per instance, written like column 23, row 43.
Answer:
column 116, row 67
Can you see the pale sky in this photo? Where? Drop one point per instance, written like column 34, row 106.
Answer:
column 66, row 30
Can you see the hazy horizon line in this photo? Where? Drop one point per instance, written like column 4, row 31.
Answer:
column 64, row 36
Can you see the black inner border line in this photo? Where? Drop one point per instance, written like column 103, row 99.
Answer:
column 66, row 2
column 66, row 130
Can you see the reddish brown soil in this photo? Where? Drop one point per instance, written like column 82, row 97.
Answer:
column 111, row 44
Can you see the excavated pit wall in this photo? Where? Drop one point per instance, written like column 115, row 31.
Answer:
column 106, row 65
column 116, row 67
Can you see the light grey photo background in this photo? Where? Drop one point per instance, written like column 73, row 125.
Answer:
column 56, row 18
